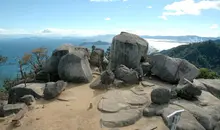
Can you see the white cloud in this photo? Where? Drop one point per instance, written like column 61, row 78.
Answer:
column 162, row 17
column 107, row 19
column 190, row 7
column 214, row 26
column 149, row 7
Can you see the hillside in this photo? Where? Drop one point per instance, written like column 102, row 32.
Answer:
column 203, row 54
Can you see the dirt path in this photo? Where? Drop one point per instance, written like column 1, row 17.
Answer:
column 72, row 114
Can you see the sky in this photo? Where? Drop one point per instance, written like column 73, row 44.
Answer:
column 96, row 17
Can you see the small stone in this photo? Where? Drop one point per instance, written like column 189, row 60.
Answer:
column 16, row 123
column 146, row 84
column 28, row 99
column 149, row 112
column 37, row 118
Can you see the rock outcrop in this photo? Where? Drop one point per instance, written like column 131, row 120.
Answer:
column 188, row 91
column 28, row 99
column 9, row 109
column 146, row 67
column 122, row 107
column 70, row 63
column 53, row 89
column 34, row 89
column 74, row 67
column 160, row 96
column 97, row 57
column 187, row 120
column 211, row 85
column 107, row 77
column 172, row 70
column 127, row 49
column 127, row 75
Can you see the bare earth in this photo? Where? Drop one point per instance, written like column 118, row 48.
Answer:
column 73, row 114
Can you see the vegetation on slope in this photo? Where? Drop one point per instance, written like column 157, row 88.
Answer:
column 203, row 54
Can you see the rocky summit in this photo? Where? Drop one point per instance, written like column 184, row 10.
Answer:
column 134, row 91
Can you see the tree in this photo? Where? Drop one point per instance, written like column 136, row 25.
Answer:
column 207, row 74
column 32, row 62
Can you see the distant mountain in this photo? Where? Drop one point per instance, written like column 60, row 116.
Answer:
column 203, row 54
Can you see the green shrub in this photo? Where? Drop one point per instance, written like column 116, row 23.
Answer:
column 207, row 74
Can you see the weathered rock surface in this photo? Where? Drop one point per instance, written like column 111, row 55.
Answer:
column 52, row 64
column 187, row 121
column 188, row 91
column 97, row 57
column 147, row 84
column 122, row 107
column 146, row 67
column 160, row 96
column 46, row 77
column 107, row 77
column 172, row 70
column 53, row 89
column 118, row 83
column 28, row 99
column 74, row 67
column 127, row 75
column 111, row 106
column 199, row 84
column 203, row 116
column 34, row 89
column 127, row 49
column 217, row 127
column 9, row 109
column 121, row 118
column 153, row 110
column 212, row 85
column 97, row 84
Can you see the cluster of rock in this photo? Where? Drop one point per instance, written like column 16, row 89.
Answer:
column 21, row 96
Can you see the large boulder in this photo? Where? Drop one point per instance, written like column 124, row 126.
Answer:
column 9, row 109
column 127, row 49
column 107, row 77
column 34, row 89
column 186, row 122
column 127, row 75
column 53, row 89
column 188, row 91
column 28, row 99
column 97, row 57
column 51, row 65
column 74, row 67
column 212, row 85
column 172, row 70
column 146, row 67
column 160, row 96
column 43, row 76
